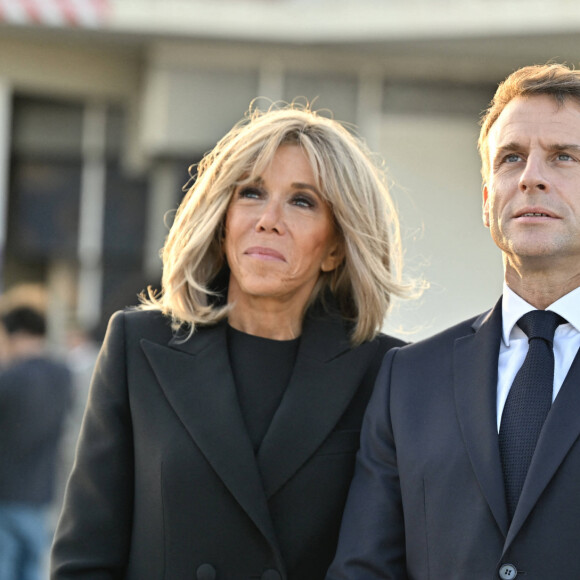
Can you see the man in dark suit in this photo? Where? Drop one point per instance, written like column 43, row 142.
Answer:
column 469, row 466
column 35, row 394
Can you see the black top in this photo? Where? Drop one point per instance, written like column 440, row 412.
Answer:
column 262, row 368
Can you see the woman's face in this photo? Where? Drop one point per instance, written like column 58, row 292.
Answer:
column 279, row 233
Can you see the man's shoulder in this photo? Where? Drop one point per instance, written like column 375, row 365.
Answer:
column 36, row 374
column 386, row 341
column 41, row 364
column 446, row 338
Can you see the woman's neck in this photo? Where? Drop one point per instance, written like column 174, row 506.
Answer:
column 268, row 319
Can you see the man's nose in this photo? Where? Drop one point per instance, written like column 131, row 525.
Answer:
column 534, row 177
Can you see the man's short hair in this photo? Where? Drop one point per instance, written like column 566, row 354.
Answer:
column 556, row 80
column 24, row 319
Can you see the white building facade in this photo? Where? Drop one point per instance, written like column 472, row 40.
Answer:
column 105, row 103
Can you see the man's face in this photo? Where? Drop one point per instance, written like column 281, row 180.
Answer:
column 531, row 201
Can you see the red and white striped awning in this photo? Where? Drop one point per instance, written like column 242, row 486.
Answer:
column 55, row 13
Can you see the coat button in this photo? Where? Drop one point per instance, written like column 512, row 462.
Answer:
column 206, row 572
column 508, row 572
column 271, row 575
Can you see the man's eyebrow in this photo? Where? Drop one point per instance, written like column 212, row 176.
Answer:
column 565, row 147
column 504, row 149
column 511, row 146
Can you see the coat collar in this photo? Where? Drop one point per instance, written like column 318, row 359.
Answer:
column 197, row 380
column 321, row 387
column 475, row 380
column 475, row 385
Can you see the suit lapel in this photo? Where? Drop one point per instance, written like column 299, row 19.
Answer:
column 197, row 381
column 560, row 431
column 475, row 383
column 322, row 385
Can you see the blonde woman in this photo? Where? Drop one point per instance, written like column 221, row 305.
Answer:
column 224, row 414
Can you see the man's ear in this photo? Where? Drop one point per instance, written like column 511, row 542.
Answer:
column 485, row 213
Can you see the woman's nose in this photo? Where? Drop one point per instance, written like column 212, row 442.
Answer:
column 270, row 218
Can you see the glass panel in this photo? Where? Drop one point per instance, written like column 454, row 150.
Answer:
column 47, row 127
column 125, row 214
column 45, row 206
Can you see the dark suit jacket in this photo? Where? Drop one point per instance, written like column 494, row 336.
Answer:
column 427, row 500
column 35, row 396
column 166, row 484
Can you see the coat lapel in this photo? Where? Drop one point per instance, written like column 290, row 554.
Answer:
column 197, row 381
column 322, row 385
column 475, row 383
column 560, row 431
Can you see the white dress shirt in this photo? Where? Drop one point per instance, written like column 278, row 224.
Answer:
column 514, row 343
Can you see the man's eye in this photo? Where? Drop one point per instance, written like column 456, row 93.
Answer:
column 512, row 158
column 564, row 157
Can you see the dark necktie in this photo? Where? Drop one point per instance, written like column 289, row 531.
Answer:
column 528, row 402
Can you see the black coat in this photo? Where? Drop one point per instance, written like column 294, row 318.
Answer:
column 166, row 484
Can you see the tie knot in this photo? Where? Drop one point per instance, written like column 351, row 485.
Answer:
column 540, row 324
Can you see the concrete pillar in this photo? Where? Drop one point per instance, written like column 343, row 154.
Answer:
column 92, row 215
column 60, row 285
column 271, row 80
column 5, row 140
column 369, row 113
column 163, row 195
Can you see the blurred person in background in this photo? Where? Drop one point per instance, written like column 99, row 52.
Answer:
column 224, row 414
column 35, row 395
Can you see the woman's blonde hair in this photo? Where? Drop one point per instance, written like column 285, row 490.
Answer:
column 351, row 183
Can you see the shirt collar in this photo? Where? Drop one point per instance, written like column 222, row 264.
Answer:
column 513, row 307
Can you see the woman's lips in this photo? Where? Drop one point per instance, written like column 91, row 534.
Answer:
column 264, row 253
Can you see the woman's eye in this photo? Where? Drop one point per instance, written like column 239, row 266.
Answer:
column 250, row 193
column 303, row 201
